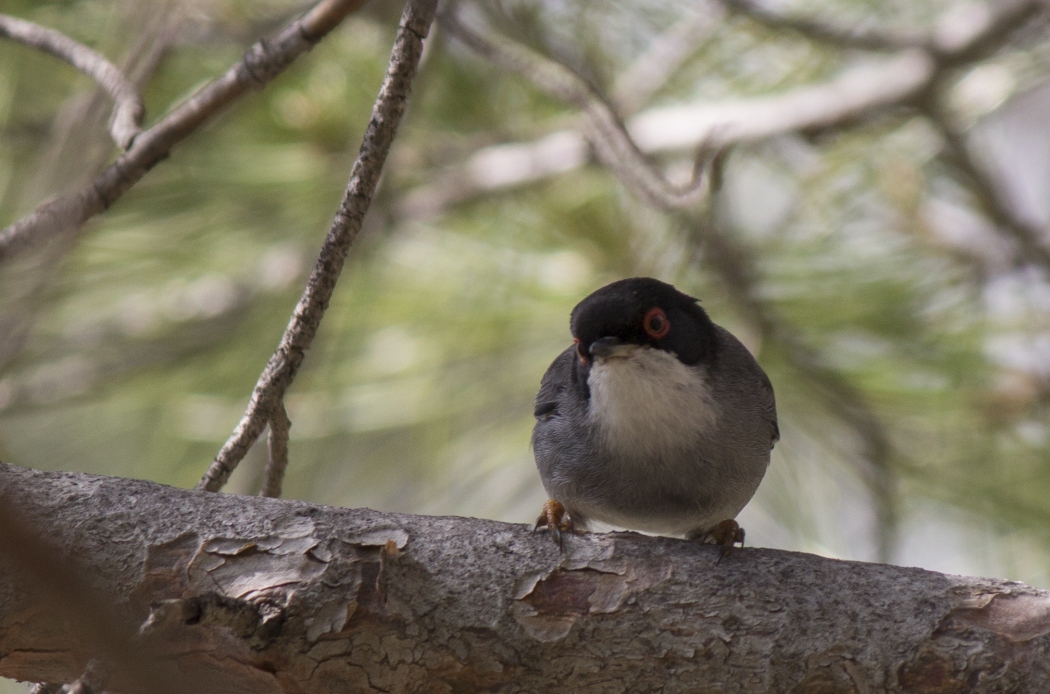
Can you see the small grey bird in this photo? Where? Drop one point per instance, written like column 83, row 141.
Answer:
column 656, row 419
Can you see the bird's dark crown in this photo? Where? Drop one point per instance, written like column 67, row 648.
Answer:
column 620, row 310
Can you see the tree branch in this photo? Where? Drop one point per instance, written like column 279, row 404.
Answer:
column 1028, row 237
column 271, row 596
column 284, row 364
column 906, row 78
column 128, row 109
column 264, row 61
column 858, row 37
column 602, row 125
column 667, row 52
column 962, row 37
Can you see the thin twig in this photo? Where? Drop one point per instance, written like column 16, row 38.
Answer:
column 128, row 109
column 72, row 156
column 283, row 365
column 261, row 64
column 962, row 36
column 603, row 126
column 277, row 443
column 666, row 53
column 982, row 29
column 859, row 37
column 1029, row 238
column 622, row 148
column 904, row 79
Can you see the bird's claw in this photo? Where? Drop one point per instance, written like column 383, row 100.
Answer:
column 554, row 518
column 726, row 534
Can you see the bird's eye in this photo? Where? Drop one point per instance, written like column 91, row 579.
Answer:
column 656, row 324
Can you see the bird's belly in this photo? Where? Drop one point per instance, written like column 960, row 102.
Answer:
column 668, row 496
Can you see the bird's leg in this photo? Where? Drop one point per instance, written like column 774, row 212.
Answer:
column 726, row 534
column 554, row 518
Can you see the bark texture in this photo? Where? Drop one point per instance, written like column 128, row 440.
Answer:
column 248, row 594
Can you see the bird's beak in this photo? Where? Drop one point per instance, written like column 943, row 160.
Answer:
column 611, row 348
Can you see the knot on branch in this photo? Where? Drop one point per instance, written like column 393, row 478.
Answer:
column 258, row 65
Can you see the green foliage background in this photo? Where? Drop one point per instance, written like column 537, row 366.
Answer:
column 148, row 335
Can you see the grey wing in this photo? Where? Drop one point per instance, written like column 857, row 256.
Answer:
column 554, row 384
column 769, row 403
column 752, row 377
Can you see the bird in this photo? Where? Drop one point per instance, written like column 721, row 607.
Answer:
column 655, row 419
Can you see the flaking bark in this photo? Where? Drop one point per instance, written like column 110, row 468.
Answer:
column 246, row 594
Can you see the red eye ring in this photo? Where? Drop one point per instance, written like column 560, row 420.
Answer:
column 656, row 324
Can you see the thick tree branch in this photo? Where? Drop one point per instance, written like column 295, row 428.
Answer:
column 128, row 109
column 364, row 178
column 270, row 596
column 264, row 61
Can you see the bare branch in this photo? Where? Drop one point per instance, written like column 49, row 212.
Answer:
column 906, row 78
column 1029, row 238
column 651, row 70
column 979, row 30
column 72, row 156
column 603, row 126
column 963, row 36
column 283, row 365
column 855, row 94
column 264, row 61
column 860, row 37
column 277, row 463
column 128, row 109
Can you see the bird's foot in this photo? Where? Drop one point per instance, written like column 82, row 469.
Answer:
column 726, row 534
column 556, row 519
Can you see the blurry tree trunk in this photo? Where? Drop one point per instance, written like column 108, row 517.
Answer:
column 247, row 594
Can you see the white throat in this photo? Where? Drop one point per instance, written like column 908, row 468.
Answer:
column 649, row 405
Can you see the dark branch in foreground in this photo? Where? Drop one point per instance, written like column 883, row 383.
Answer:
column 364, row 178
column 271, row 596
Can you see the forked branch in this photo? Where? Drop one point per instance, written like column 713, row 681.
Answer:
column 284, row 364
column 128, row 110
column 264, row 61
